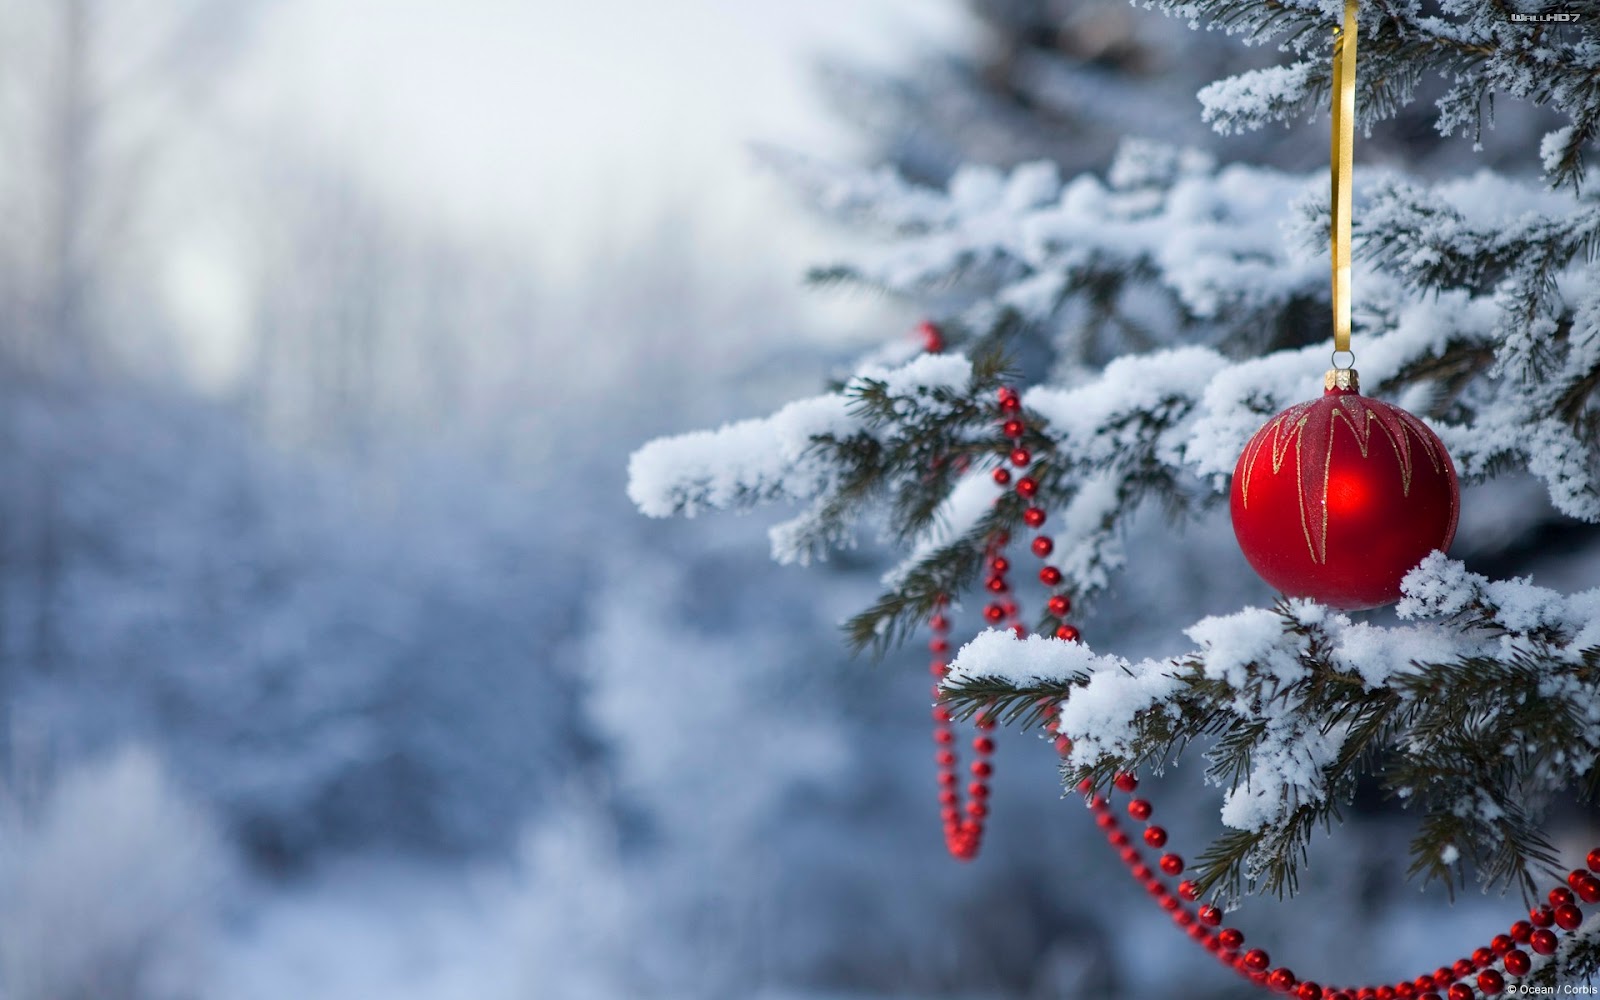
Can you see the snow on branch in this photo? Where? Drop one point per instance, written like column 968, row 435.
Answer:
column 1290, row 699
column 1475, row 46
column 781, row 457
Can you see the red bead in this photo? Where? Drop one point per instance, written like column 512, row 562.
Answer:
column 993, row 613
column 985, row 723
column 939, row 623
column 1517, row 962
column 983, row 744
column 1588, row 888
column 1256, row 960
column 1430, row 996
column 982, row 768
column 1340, row 517
column 1033, row 517
column 1231, row 937
column 1593, row 860
column 1573, row 877
column 1049, row 576
column 945, row 758
column 1424, row 983
column 1442, row 977
column 1059, row 605
column 1405, row 991
column 1543, row 941
column 1501, row 943
column 996, row 584
column 1130, row 856
column 1188, row 890
column 1125, row 782
column 978, row 790
column 1282, row 980
column 1013, row 428
column 1366, row 993
column 1105, row 821
column 1172, row 864
column 932, row 337
column 1085, row 787
column 938, row 668
column 1521, row 931
column 1140, row 809
column 1463, row 968
column 977, row 810
column 1019, row 630
column 1069, row 633
column 1155, row 836
column 1027, row 487
column 1063, row 745
column 1142, row 872
column 1042, row 546
column 1002, row 476
column 1308, row 991
column 1384, row 992
column 1559, row 896
column 1183, row 918
column 1011, row 405
column 1000, row 564
column 1459, row 991
column 1541, row 916
column 1020, row 457
column 1568, row 917
column 1482, row 957
column 1209, row 915
column 1119, row 839
column 1491, row 982
column 941, row 714
column 947, row 779
column 940, row 645
column 1341, row 995
column 948, row 797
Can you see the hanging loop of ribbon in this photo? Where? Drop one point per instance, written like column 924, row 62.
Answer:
column 1343, row 143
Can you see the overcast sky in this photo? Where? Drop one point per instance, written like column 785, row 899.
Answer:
column 559, row 115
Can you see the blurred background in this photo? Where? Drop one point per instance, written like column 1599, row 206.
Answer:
column 334, row 661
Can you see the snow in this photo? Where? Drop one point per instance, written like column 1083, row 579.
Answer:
column 1553, row 147
column 1253, row 99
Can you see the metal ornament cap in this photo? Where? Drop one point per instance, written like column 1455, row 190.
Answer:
column 1337, row 498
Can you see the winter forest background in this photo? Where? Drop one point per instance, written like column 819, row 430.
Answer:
column 335, row 661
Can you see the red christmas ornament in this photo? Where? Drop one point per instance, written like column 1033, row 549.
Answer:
column 1337, row 498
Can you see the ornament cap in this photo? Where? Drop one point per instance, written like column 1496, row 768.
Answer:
column 1341, row 380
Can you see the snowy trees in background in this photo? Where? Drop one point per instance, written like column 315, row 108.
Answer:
column 1163, row 312
column 112, row 883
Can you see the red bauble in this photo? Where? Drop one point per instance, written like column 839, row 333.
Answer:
column 1337, row 498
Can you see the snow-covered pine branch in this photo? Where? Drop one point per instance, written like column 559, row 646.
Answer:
column 1296, row 696
column 1475, row 46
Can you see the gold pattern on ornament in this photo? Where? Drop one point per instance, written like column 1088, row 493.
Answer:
column 1289, row 429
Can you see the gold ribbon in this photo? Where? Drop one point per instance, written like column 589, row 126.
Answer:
column 1343, row 143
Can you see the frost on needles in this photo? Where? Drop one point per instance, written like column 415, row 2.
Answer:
column 1180, row 303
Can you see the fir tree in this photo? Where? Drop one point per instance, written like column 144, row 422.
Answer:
column 1182, row 303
